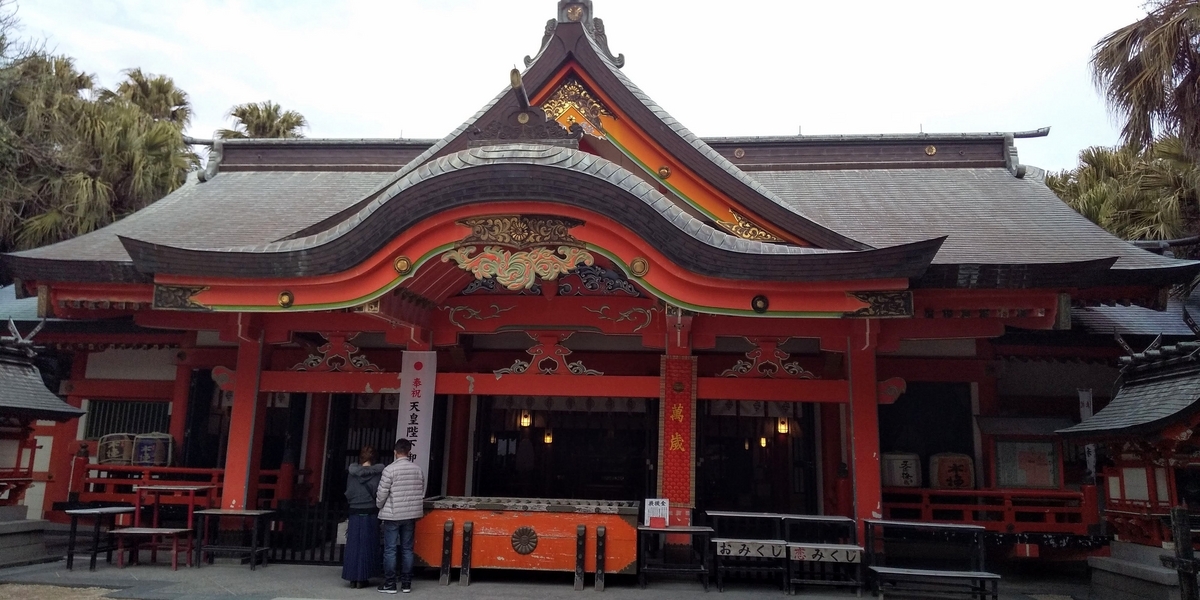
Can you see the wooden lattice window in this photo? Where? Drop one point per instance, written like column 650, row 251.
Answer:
column 124, row 416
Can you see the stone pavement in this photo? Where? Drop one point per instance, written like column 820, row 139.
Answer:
column 279, row 582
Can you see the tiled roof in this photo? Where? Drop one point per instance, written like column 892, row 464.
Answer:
column 1135, row 320
column 539, row 172
column 24, row 309
column 990, row 216
column 232, row 209
column 1141, row 405
column 23, row 393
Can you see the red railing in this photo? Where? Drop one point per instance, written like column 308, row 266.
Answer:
column 115, row 483
column 1000, row 511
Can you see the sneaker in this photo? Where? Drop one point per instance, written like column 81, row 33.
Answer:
column 387, row 588
column 406, row 587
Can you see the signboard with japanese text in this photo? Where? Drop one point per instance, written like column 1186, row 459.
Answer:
column 825, row 554
column 415, row 421
column 658, row 512
column 751, row 549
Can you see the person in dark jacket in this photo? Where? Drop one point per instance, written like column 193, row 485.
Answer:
column 361, row 560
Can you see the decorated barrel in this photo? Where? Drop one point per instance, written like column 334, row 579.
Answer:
column 152, row 450
column 901, row 469
column 115, row 449
column 529, row 533
column 951, row 471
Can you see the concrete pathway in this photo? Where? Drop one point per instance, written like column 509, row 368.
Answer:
column 285, row 582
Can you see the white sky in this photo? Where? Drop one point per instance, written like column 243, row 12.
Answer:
column 418, row 68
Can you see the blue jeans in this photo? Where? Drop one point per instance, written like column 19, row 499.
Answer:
column 404, row 531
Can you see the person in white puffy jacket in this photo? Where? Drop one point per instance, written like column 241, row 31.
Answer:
column 400, row 501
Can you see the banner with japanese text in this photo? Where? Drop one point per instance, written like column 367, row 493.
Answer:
column 415, row 421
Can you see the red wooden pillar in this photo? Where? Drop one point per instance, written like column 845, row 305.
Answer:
column 314, row 454
column 677, row 436
column 835, row 476
column 241, row 471
column 864, row 421
column 460, row 433
column 63, row 483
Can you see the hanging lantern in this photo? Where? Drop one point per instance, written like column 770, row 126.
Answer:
column 549, row 438
column 762, row 442
column 783, row 426
column 526, row 418
column 493, row 438
column 746, row 445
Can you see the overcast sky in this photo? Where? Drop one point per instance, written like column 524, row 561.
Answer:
column 418, row 68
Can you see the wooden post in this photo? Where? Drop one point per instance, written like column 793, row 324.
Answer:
column 864, row 421
column 314, row 454
column 243, row 423
column 460, row 432
column 179, row 406
column 1184, row 561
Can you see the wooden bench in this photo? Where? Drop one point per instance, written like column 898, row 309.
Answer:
column 972, row 581
column 823, row 550
column 152, row 536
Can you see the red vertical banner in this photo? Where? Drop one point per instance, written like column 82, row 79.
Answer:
column 677, row 436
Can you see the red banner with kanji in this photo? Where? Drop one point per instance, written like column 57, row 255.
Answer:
column 677, row 431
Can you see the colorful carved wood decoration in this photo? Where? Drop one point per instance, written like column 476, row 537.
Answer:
column 767, row 361
column 518, row 270
column 339, row 355
column 521, row 231
column 747, row 229
column 548, row 357
column 573, row 101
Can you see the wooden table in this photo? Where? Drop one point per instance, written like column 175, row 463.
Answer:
column 730, row 524
column 98, row 515
column 158, row 490
column 646, row 535
column 253, row 550
column 972, row 581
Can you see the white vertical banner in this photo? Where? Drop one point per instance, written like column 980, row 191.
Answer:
column 1085, row 413
column 415, row 420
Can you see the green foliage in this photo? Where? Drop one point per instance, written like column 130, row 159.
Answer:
column 1134, row 193
column 73, row 157
column 264, row 120
column 1150, row 73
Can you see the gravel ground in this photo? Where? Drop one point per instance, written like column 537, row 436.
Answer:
column 17, row 591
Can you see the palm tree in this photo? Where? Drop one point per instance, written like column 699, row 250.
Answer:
column 74, row 158
column 1134, row 193
column 1149, row 72
column 264, row 120
column 155, row 94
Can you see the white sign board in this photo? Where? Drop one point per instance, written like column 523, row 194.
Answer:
column 658, row 512
column 826, row 554
column 415, row 421
column 751, row 549
column 1085, row 412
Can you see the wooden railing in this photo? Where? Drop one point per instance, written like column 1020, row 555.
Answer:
column 1000, row 511
column 115, row 483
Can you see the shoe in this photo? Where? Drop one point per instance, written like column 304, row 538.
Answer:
column 354, row 585
column 406, row 587
column 387, row 588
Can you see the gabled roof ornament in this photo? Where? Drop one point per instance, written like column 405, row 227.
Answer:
column 579, row 11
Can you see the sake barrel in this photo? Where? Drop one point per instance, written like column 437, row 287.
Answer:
column 152, row 450
column 115, row 449
column 901, row 469
column 951, row 471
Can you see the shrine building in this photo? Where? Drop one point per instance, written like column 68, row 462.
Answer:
column 573, row 296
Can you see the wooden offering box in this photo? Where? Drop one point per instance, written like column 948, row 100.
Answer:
column 528, row 534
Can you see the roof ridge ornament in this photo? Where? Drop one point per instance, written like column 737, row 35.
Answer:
column 579, row 11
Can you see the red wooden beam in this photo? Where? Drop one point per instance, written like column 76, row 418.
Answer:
column 118, row 389
column 793, row 390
